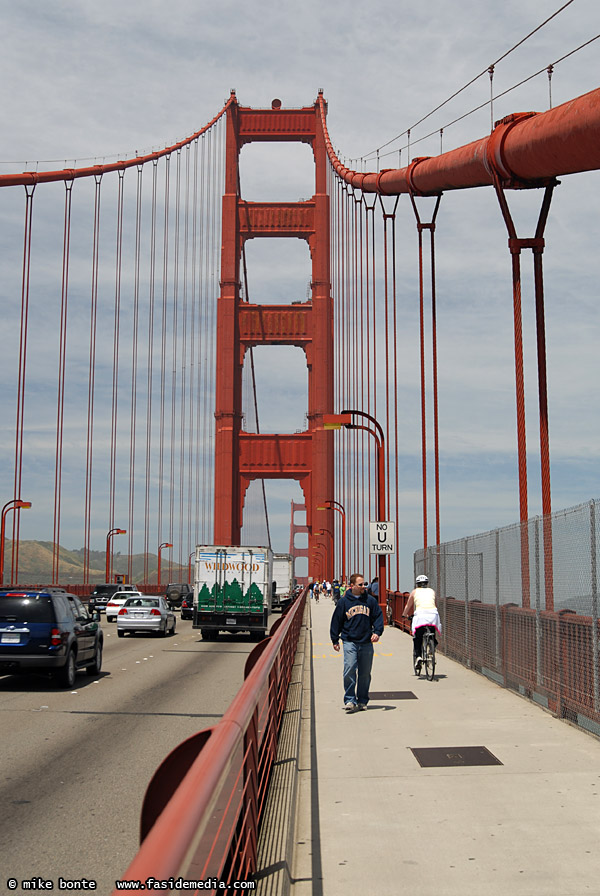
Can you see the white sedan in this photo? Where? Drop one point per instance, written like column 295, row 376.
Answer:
column 145, row 613
column 117, row 601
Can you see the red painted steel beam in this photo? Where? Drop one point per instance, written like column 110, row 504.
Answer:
column 276, row 219
column 276, row 456
column 525, row 149
column 278, row 124
column 276, row 324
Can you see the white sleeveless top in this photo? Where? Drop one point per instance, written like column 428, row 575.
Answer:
column 424, row 599
column 425, row 610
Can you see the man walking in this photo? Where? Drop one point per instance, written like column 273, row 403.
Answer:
column 358, row 621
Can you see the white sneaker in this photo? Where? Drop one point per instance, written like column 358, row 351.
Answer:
column 350, row 707
column 361, row 705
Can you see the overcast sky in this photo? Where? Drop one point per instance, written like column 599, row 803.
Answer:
column 83, row 82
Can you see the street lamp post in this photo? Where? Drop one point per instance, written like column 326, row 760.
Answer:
column 319, row 557
column 15, row 504
column 345, row 419
column 165, row 544
column 335, row 505
column 327, row 554
column 109, row 535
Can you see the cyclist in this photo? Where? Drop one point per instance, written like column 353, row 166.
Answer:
column 421, row 606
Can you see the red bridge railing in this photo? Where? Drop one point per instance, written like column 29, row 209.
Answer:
column 548, row 657
column 202, row 809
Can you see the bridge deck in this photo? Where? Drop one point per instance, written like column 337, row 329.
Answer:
column 372, row 819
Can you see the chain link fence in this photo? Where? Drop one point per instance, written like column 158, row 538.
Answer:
column 520, row 604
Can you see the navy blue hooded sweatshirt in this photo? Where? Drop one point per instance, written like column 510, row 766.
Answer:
column 356, row 619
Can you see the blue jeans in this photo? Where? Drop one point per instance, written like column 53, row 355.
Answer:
column 358, row 660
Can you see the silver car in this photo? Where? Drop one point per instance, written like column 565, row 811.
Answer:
column 145, row 613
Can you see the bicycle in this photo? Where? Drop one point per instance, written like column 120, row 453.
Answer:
column 427, row 653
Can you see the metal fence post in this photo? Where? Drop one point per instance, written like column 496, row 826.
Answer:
column 497, row 613
column 538, row 632
column 443, row 595
column 594, row 589
column 467, row 638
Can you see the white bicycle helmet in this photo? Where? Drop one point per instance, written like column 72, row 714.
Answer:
column 421, row 581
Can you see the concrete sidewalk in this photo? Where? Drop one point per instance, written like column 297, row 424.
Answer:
column 371, row 820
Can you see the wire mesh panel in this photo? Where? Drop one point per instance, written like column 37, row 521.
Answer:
column 521, row 605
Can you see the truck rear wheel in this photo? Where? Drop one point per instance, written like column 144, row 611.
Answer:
column 208, row 634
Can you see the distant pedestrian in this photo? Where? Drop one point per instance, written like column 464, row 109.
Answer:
column 374, row 588
column 335, row 590
column 358, row 621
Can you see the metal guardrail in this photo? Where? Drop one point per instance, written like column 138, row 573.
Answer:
column 551, row 658
column 202, row 809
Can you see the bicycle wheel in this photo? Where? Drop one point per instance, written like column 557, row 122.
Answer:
column 429, row 651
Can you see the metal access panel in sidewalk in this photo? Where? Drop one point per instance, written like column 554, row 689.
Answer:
column 392, row 695
column 445, row 757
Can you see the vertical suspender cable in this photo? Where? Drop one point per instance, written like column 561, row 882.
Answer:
column 184, row 360
column 423, row 406
column 60, row 404
column 134, row 366
column 395, row 366
column 388, row 334
column 192, row 505
column 217, row 190
column 91, row 384
column 174, row 347
column 115, row 370
column 363, row 360
column 370, row 334
column 22, row 378
column 163, row 353
column 436, row 441
column 356, row 353
column 150, row 366
column 202, row 352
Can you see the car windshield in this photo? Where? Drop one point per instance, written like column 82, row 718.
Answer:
column 104, row 589
column 26, row 608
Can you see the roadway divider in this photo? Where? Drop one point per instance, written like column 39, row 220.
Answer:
column 203, row 807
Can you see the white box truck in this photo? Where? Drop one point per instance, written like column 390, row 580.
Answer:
column 232, row 590
column 283, row 580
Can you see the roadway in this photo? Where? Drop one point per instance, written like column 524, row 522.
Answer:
column 76, row 764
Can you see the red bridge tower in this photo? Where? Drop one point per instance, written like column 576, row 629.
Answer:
column 306, row 456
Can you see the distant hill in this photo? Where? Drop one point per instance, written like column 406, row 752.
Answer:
column 35, row 565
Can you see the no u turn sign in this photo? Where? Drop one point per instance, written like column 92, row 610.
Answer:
column 382, row 537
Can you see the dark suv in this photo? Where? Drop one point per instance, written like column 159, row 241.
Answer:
column 176, row 592
column 48, row 630
column 101, row 594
